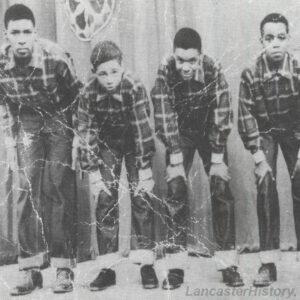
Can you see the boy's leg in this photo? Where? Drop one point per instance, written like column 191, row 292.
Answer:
column 268, row 216
column 290, row 148
column 60, row 198
column 268, row 205
column 222, row 203
column 177, row 199
column 142, row 221
column 107, row 212
column 33, row 246
column 142, row 224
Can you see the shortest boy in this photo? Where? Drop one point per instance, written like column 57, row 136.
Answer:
column 113, row 123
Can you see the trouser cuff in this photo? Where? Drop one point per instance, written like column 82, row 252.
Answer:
column 142, row 256
column 225, row 259
column 66, row 263
column 35, row 261
column 269, row 256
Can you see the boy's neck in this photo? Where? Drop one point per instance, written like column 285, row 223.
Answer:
column 22, row 61
column 274, row 65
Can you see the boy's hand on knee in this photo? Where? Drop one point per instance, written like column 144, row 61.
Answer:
column 219, row 170
column 97, row 184
column 261, row 170
column 145, row 186
column 146, row 182
column 174, row 171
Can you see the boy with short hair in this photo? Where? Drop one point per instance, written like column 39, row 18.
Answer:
column 38, row 87
column 192, row 110
column 269, row 116
column 113, row 123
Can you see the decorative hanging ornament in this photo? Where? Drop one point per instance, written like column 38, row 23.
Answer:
column 88, row 17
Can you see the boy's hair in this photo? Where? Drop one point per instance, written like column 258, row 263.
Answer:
column 18, row 12
column 105, row 51
column 187, row 38
column 274, row 18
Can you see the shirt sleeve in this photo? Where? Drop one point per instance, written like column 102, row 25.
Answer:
column 8, row 122
column 69, row 84
column 141, row 127
column 87, row 129
column 247, row 124
column 222, row 114
column 166, row 125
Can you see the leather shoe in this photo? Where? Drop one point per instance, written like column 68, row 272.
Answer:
column 106, row 278
column 29, row 280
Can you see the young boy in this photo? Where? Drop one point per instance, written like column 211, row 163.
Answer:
column 113, row 122
column 269, row 116
column 38, row 87
column 192, row 110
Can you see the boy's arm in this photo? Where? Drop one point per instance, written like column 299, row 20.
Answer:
column 221, row 117
column 143, row 135
column 68, row 81
column 86, row 125
column 166, row 125
column 247, row 123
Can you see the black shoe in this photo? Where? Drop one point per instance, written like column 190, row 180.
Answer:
column 232, row 277
column 149, row 279
column 174, row 279
column 64, row 281
column 267, row 274
column 30, row 280
column 106, row 278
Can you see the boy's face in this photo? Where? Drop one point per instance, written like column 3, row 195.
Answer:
column 109, row 74
column 275, row 40
column 187, row 61
column 21, row 35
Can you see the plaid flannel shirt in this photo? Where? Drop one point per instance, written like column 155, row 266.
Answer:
column 215, row 91
column 269, row 100
column 47, row 85
column 98, row 109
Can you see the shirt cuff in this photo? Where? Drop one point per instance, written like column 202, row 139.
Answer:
column 259, row 156
column 217, row 158
column 145, row 174
column 176, row 158
column 95, row 176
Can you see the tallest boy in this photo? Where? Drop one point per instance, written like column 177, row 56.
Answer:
column 37, row 87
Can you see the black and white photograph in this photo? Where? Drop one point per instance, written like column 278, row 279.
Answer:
column 149, row 149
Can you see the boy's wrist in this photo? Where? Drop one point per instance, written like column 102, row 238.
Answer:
column 176, row 158
column 217, row 158
column 145, row 174
column 258, row 156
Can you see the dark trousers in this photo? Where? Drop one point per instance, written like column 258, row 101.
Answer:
column 46, row 202
column 107, row 212
column 221, row 198
column 267, row 197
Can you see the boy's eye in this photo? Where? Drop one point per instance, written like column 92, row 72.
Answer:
column 15, row 32
column 269, row 38
column 193, row 61
column 27, row 31
column 102, row 74
column 282, row 37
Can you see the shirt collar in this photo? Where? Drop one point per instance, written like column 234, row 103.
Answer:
column 285, row 69
column 36, row 59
